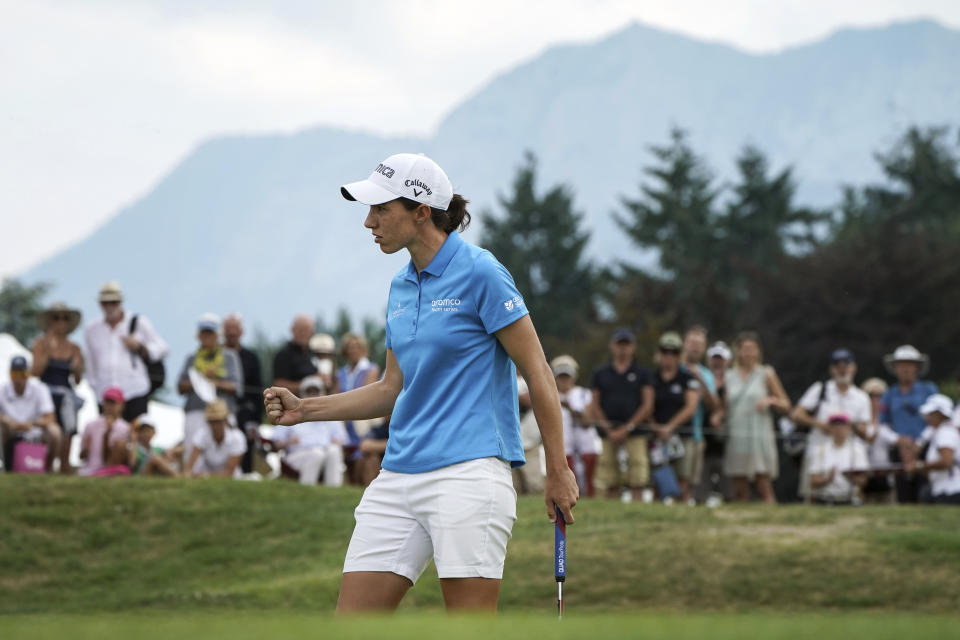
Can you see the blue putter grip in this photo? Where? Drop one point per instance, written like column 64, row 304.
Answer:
column 560, row 547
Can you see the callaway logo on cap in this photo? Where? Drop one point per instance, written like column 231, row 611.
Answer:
column 404, row 175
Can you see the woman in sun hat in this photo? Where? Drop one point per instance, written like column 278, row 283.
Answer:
column 901, row 410
column 58, row 362
column 455, row 326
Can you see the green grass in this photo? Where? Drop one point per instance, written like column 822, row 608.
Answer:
column 76, row 546
column 649, row 626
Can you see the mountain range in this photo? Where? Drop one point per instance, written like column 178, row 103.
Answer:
column 256, row 224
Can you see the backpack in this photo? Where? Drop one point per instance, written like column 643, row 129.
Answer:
column 795, row 444
column 155, row 369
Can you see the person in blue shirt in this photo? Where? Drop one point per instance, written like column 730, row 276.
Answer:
column 456, row 331
column 900, row 408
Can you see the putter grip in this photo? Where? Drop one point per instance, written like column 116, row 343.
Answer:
column 560, row 547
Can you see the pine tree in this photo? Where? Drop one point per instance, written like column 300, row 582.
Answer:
column 760, row 227
column 921, row 193
column 540, row 241
column 675, row 215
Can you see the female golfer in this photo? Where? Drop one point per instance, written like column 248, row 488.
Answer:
column 455, row 326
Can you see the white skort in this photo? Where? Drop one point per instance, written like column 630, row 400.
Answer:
column 460, row 515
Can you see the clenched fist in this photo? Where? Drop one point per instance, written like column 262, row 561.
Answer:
column 282, row 406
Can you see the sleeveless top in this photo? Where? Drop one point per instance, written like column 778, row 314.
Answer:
column 57, row 374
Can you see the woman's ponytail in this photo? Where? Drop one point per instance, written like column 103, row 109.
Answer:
column 455, row 218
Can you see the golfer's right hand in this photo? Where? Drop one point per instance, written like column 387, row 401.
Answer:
column 282, row 406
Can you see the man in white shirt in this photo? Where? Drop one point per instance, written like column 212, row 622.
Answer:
column 115, row 353
column 26, row 412
column 218, row 448
column 312, row 447
column 838, row 395
column 838, row 465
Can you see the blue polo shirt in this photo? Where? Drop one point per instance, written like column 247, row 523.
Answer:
column 902, row 410
column 459, row 396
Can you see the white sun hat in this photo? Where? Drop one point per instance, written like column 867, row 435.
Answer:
column 907, row 353
column 403, row 175
column 937, row 403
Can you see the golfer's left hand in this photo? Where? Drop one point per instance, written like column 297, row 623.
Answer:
column 561, row 489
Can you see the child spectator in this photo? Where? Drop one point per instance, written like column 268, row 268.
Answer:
column 103, row 447
column 942, row 464
column 579, row 437
column 312, row 447
column 838, row 465
column 217, row 449
column 878, row 438
column 146, row 459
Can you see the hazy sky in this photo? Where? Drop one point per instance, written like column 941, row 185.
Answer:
column 99, row 99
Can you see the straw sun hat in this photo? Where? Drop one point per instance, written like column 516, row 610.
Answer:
column 58, row 308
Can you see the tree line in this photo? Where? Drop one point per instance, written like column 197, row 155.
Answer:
column 878, row 269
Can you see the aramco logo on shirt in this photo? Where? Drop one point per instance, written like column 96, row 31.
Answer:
column 515, row 303
column 445, row 304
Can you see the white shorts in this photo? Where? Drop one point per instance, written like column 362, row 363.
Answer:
column 460, row 515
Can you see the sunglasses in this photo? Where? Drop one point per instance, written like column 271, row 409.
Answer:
column 673, row 352
column 59, row 317
column 109, row 303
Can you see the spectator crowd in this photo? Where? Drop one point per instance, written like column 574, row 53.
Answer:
column 702, row 424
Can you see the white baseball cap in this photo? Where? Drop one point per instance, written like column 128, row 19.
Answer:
column 403, row 175
column 937, row 403
column 719, row 349
column 209, row 322
column 565, row 365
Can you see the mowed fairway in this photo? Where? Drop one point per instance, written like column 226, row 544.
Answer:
column 147, row 558
column 418, row 626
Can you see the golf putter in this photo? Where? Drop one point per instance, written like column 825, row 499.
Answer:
column 560, row 558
